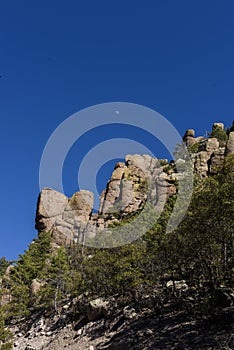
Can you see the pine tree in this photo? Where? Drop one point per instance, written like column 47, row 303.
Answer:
column 31, row 265
column 3, row 266
column 58, row 280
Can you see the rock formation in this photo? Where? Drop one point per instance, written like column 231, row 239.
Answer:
column 65, row 217
column 132, row 183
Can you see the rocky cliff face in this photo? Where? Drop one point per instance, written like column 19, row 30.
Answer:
column 128, row 189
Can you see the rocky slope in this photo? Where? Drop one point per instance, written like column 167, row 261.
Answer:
column 137, row 326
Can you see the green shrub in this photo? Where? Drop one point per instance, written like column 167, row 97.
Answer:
column 219, row 134
column 194, row 148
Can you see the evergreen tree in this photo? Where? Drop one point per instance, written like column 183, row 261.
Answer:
column 31, row 265
column 58, row 280
column 3, row 266
column 219, row 134
column 5, row 334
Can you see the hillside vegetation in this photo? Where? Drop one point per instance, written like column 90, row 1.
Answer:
column 190, row 268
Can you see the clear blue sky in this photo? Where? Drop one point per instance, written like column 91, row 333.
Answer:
column 57, row 57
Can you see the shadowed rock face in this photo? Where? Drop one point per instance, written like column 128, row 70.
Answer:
column 51, row 205
column 132, row 183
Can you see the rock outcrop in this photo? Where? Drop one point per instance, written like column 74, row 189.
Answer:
column 134, row 182
column 65, row 217
column 188, row 138
column 127, row 190
column 209, row 154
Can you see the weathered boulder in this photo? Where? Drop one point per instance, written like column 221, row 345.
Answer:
column 218, row 125
column 129, row 312
column 51, row 204
column 177, row 285
column 188, row 138
column 36, row 286
column 189, row 132
column 66, row 218
column 95, row 309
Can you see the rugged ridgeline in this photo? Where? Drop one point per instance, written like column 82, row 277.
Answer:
column 167, row 291
column 126, row 192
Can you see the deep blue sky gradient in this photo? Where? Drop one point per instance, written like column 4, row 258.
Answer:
column 57, row 57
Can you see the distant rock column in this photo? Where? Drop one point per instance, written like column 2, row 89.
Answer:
column 219, row 125
column 188, row 138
